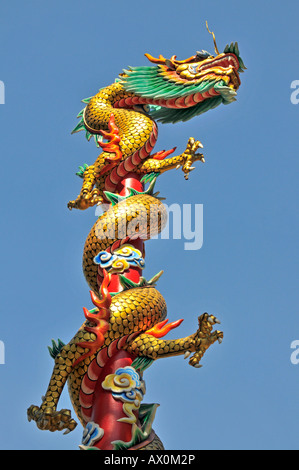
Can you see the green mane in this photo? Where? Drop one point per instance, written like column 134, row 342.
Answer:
column 150, row 82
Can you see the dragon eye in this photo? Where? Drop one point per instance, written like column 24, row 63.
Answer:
column 192, row 69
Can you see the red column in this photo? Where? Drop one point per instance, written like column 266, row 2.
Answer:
column 132, row 180
column 106, row 409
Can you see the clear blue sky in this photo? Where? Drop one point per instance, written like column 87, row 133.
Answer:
column 55, row 53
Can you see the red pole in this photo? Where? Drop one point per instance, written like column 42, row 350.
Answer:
column 106, row 409
column 132, row 180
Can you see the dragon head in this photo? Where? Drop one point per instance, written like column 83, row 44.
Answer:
column 178, row 90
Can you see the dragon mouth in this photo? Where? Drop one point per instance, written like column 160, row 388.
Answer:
column 223, row 67
column 228, row 65
column 223, row 60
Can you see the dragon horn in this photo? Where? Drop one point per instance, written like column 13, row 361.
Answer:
column 161, row 59
column 214, row 39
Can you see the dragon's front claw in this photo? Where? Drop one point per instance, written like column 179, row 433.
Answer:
column 203, row 338
column 190, row 156
column 49, row 419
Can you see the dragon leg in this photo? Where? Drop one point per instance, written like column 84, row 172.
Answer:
column 185, row 160
column 125, row 149
column 147, row 345
column 89, row 194
column 46, row 416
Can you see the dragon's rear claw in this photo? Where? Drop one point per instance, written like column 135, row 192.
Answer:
column 49, row 419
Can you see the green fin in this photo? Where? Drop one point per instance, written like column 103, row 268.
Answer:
column 86, row 100
column 56, row 348
column 88, row 135
column 98, row 138
column 82, row 170
column 142, row 362
column 81, row 113
column 79, row 127
column 128, row 284
column 146, row 417
column 114, row 198
column 155, row 278
column 149, row 177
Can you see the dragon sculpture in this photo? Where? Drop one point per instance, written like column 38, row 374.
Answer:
column 124, row 333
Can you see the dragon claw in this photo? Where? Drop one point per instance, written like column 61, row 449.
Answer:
column 203, row 338
column 190, row 156
column 187, row 354
column 197, row 366
column 71, row 205
column 49, row 419
column 86, row 199
column 212, row 319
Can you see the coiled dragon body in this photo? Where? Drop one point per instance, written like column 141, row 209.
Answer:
column 126, row 327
